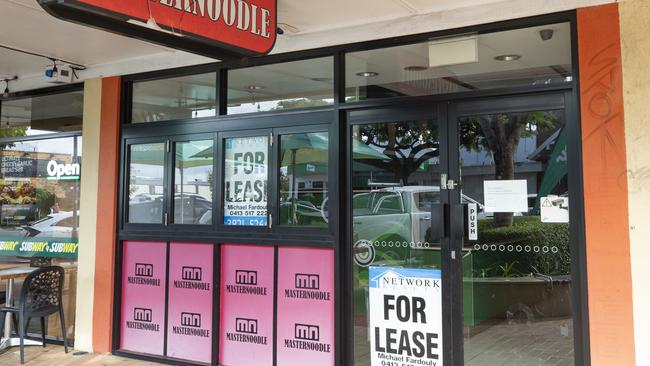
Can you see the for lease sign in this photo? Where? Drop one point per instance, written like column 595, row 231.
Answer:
column 246, row 26
column 405, row 317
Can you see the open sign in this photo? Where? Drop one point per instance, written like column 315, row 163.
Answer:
column 63, row 171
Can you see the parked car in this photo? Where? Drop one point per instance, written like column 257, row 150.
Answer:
column 188, row 209
column 64, row 224
column 400, row 214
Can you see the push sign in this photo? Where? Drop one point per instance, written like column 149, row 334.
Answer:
column 405, row 317
column 472, row 221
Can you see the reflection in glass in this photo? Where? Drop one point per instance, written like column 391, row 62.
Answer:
column 288, row 85
column 394, row 198
column 39, row 194
column 193, row 182
column 462, row 64
column 39, row 202
column 303, row 179
column 60, row 112
column 245, row 181
column 146, row 167
column 183, row 97
column 517, row 276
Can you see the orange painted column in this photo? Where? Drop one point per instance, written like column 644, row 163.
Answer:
column 609, row 278
column 107, row 193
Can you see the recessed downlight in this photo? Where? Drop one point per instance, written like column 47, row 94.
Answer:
column 255, row 87
column 508, row 57
column 416, row 68
column 367, row 74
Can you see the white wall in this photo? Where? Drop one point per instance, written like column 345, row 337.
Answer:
column 635, row 39
column 88, row 220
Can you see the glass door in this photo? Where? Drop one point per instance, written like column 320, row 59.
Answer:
column 400, row 307
column 511, row 159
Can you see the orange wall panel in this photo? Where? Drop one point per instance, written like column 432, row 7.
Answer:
column 609, row 279
column 106, row 215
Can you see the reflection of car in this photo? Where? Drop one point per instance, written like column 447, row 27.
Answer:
column 399, row 214
column 188, row 209
column 62, row 224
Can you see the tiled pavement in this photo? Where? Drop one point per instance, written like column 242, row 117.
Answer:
column 542, row 343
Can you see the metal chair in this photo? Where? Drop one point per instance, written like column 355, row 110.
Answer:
column 40, row 297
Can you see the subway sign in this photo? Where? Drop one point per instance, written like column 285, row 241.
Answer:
column 222, row 29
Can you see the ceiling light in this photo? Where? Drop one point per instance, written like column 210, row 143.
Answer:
column 255, row 87
column 367, row 74
column 508, row 57
column 416, row 68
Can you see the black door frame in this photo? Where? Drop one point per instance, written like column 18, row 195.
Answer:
column 438, row 113
column 556, row 100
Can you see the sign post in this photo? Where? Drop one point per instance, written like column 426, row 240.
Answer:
column 405, row 316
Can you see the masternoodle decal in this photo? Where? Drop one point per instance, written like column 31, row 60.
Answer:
column 143, row 297
column 245, row 181
column 189, row 332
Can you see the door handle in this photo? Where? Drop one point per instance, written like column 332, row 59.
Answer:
column 425, row 218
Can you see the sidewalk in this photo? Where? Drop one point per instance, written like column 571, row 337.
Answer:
column 54, row 356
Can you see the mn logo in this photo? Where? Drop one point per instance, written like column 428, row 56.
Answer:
column 307, row 281
column 307, row 332
column 144, row 270
column 244, row 277
column 191, row 320
column 143, row 315
column 245, row 325
column 192, row 273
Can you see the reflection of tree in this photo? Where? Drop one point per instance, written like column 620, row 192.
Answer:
column 407, row 145
column 500, row 135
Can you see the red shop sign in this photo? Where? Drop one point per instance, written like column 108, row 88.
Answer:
column 223, row 29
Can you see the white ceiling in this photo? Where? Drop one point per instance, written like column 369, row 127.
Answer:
column 308, row 24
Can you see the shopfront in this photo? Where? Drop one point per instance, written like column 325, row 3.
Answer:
column 398, row 202
column 40, row 176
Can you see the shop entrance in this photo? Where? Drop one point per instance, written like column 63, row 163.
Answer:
column 461, row 241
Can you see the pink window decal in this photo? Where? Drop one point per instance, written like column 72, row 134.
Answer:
column 143, row 297
column 305, row 307
column 246, row 335
column 189, row 330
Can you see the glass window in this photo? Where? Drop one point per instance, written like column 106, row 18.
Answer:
column 517, row 288
column 146, row 168
column 289, row 85
column 193, row 168
column 41, row 114
column 394, row 169
column 522, row 57
column 245, row 181
column 182, row 97
column 303, row 179
column 39, row 214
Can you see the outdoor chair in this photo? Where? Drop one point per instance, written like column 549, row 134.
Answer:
column 40, row 297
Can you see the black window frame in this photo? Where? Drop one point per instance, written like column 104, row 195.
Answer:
column 341, row 226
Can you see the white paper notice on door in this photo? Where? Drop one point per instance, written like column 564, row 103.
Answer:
column 505, row 195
